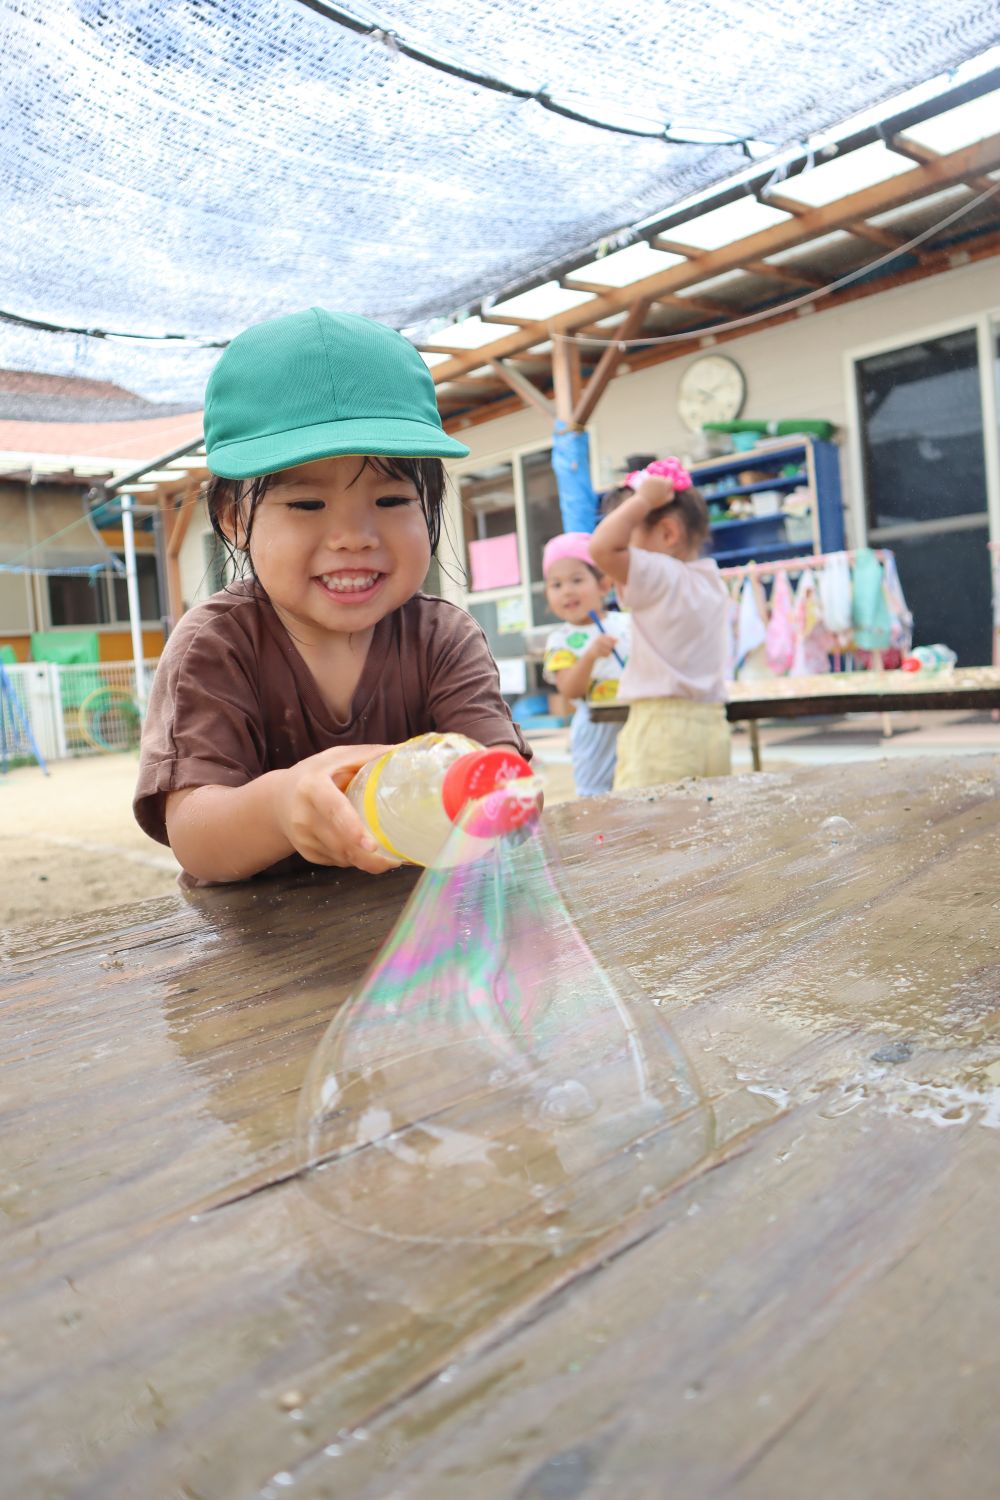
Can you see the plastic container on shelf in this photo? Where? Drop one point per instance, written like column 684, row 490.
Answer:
column 410, row 798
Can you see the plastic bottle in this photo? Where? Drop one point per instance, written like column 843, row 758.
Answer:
column 411, row 797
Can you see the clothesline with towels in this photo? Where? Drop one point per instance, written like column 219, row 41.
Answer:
column 847, row 609
column 814, row 560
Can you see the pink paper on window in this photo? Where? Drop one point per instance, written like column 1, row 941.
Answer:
column 494, row 562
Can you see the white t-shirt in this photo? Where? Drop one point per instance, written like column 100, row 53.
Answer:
column 567, row 643
column 679, row 620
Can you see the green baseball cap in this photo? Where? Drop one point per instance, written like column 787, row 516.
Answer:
column 320, row 384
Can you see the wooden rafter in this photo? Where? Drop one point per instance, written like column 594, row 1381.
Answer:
column 709, row 305
column 783, row 273
column 924, row 154
column 608, row 364
column 985, row 248
column 982, row 157
column 523, row 387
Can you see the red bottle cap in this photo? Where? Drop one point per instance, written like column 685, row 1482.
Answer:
column 480, row 773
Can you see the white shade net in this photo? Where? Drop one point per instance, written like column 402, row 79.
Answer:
column 194, row 167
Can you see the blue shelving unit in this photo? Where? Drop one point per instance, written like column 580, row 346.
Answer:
column 765, row 538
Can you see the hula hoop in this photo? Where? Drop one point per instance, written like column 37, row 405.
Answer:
column 106, row 710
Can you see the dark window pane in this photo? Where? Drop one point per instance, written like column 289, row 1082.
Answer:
column 149, row 590
column 946, row 580
column 922, row 431
column 77, row 601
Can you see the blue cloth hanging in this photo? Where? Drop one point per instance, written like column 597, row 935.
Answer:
column 571, row 466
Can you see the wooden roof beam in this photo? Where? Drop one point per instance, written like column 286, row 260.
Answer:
column 924, row 154
column 523, row 387
column 984, row 248
column 783, row 273
column 674, row 247
column 707, row 305
column 983, row 156
column 608, row 363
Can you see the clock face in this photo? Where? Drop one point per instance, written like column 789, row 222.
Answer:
column 712, row 389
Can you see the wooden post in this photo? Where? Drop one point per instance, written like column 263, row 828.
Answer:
column 566, row 377
column 180, row 521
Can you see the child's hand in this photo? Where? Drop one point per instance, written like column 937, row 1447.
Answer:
column 317, row 818
column 655, row 491
column 602, row 645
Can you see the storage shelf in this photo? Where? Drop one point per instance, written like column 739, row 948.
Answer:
column 756, row 458
column 816, row 461
column 771, row 519
column 779, row 482
column 765, row 552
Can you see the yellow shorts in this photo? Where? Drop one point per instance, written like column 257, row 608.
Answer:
column 666, row 739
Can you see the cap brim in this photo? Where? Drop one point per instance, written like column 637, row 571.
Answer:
column 377, row 436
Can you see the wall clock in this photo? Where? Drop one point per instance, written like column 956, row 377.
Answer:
column 712, row 389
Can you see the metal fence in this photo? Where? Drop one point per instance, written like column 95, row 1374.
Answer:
column 80, row 710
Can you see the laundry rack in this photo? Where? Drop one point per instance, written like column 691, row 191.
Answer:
column 814, row 561
column 844, row 659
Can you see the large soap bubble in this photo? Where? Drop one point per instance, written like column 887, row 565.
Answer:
column 491, row 1081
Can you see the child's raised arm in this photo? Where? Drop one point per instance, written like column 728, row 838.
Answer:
column 224, row 833
column 610, row 543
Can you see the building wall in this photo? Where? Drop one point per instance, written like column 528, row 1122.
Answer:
column 53, row 515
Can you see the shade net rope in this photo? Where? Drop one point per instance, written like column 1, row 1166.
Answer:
column 195, row 167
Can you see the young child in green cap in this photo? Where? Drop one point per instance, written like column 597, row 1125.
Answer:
column 325, row 443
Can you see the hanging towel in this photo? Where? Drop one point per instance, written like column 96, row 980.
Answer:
column 902, row 619
column 750, row 629
column 780, row 638
column 835, row 596
column 813, row 642
column 872, row 619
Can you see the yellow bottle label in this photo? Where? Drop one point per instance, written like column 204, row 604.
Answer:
column 371, row 807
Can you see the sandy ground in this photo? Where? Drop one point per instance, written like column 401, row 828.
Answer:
column 68, row 842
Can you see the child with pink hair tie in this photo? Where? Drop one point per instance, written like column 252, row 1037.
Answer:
column 650, row 542
column 585, row 655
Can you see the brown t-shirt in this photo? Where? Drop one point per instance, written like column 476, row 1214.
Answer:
column 232, row 697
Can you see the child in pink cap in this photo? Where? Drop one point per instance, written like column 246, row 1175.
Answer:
column 651, row 545
column 584, row 659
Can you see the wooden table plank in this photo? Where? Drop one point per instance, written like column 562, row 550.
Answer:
column 973, row 688
column 815, row 1297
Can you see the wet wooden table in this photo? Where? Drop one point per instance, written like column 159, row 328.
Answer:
column 812, row 1308
column 973, row 688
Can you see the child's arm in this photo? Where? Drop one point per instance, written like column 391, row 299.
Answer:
column 573, row 681
column 609, row 545
column 224, row 833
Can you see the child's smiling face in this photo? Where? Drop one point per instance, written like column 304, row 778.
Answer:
column 338, row 546
column 573, row 590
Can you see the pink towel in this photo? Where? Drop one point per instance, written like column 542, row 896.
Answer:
column 779, row 642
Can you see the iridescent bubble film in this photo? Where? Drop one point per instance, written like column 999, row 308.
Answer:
column 491, row 1080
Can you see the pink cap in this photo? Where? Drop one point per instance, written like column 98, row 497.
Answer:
column 575, row 544
column 661, row 468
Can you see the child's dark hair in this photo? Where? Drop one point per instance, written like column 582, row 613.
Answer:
column 688, row 504
column 227, row 498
